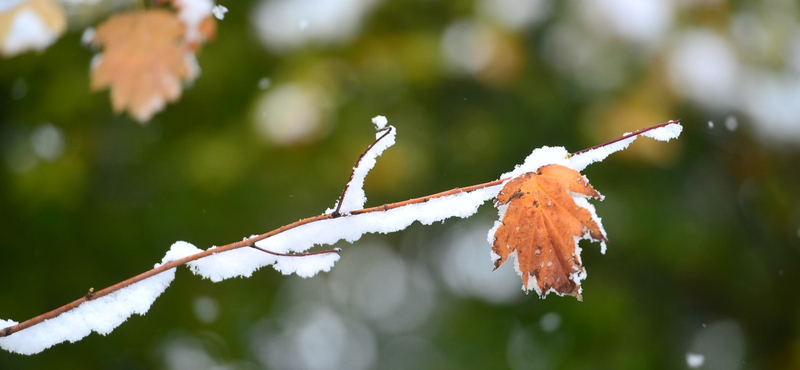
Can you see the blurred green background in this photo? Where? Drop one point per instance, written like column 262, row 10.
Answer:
column 702, row 264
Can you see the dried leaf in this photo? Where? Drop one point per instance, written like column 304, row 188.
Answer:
column 30, row 25
column 145, row 61
column 542, row 225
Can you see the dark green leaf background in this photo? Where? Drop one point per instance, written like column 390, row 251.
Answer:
column 704, row 232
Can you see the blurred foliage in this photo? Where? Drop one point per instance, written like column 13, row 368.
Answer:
column 704, row 231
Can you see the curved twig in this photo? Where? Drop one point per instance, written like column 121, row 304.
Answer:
column 336, row 213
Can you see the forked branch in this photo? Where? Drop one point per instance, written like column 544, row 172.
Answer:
column 251, row 242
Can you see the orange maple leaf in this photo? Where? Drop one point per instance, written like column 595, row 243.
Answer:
column 542, row 225
column 144, row 63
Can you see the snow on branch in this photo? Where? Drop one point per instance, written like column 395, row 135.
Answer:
column 581, row 159
column 101, row 315
column 662, row 132
column 104, row 310
column 353, row 196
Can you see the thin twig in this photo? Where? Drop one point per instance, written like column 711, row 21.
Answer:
column 251, row 241
column 334, row 250
column 347, row 186
column 632, row 134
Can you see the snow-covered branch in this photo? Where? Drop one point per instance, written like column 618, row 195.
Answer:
column 353, row 196
column 104, row 310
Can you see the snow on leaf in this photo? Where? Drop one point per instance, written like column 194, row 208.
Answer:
column 30, row 25
column 198, row 17
column 542, row 226
column 144, row 62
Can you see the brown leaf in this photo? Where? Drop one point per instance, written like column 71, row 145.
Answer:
column 543, row 225
column 207, row 29
column 31, row 25
column 145, row 61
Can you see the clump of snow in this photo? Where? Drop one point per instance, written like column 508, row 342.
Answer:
column 100, row 315
column 306, row 266
column 179, row 250
column 380, row 122
column 240, row 262
column 538, row 158
column 219, row 11
column 665, row 133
